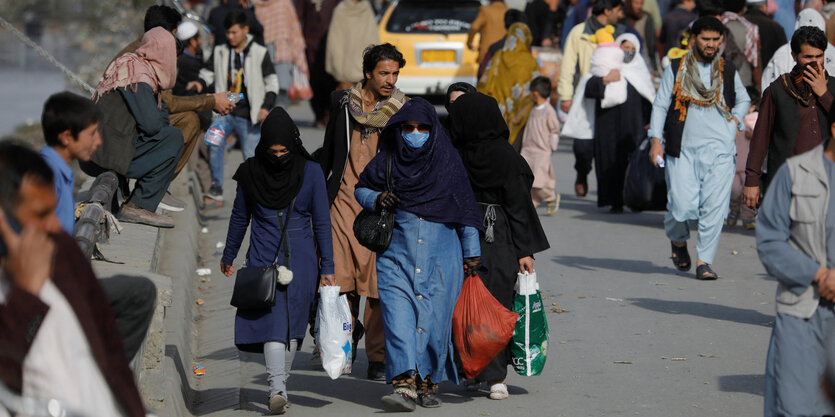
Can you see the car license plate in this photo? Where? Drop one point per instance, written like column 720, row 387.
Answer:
column 438, row 55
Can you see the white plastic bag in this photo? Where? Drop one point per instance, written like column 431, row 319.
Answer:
column 334, row 327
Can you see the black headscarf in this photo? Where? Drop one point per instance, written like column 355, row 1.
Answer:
column 269, row 180
column 461, row 86
column 480, row 133
column 430, row 181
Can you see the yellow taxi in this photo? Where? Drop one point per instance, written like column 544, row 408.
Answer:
column 432, row 35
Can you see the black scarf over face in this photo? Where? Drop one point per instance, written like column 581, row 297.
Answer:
column 463, row 87
column 798, row 88
column 269, row 180
column 480, row 133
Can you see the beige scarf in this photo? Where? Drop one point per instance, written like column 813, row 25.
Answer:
column 690, row 89
column 377, row 118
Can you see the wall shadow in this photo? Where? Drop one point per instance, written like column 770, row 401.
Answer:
column 188, row 393
column 706, row 310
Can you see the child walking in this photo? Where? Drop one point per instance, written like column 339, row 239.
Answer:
column 540, row 139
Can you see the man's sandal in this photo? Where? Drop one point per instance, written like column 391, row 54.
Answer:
column 680, row 257
column 705, row 273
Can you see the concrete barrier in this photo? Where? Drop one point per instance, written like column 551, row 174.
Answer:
column 168, row 257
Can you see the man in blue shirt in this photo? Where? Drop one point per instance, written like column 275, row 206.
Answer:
column 70, row 126
column 796, row 244
column 695, row 118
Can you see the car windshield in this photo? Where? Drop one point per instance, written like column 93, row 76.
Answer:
column 433, row 17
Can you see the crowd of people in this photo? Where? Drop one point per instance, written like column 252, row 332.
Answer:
column 739, row 119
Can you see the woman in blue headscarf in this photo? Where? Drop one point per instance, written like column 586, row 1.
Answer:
column 420, row 275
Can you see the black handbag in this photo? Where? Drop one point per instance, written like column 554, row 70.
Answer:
column 255, row 285
column 645, row 186
column 372, row 229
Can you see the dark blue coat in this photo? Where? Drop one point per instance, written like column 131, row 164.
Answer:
column 310, row 225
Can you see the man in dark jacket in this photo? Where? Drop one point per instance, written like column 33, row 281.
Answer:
column 315, row 18
column 48, row 292
column 772, row 35
column 190, row 62
column 218, row 15
column 795, row 112
column 674, row 23
column 358, row 115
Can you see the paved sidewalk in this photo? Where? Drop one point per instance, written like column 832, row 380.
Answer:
column 629, row 334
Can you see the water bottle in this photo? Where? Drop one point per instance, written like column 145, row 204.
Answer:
column 217, row 131
column 234, row 97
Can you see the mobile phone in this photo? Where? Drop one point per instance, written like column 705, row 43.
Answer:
column 15, row 226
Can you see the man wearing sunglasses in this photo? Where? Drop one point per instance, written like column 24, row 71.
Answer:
column 358, row 115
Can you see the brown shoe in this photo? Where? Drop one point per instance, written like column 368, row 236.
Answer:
column 581, row 188
column 131, row 213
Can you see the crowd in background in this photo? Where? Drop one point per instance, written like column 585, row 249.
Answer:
column 712, row 93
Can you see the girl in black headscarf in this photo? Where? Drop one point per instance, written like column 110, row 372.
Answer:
column 501, row 181
column 456, row 90
column 280, row 180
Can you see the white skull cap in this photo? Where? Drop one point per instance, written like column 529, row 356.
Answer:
column 186, row 30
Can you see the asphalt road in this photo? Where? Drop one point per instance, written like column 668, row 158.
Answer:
column 629, row 335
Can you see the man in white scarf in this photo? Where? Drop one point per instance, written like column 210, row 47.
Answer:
column 782, row 61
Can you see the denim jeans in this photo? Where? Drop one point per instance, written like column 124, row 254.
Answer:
column 284, row 71
column 247, row 133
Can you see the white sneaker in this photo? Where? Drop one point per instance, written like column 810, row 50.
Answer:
column 278, row 403
column 498, row 392
column 171, row 203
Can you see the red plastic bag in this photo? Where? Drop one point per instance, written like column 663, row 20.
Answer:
column 300, row 88
column 481, row 326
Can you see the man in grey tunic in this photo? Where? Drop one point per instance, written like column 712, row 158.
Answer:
column 796, row 244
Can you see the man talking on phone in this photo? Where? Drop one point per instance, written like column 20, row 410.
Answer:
column 58, row 336
column 795, row 113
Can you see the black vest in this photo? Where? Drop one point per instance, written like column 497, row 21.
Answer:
column 786, row 124
column 673, row 128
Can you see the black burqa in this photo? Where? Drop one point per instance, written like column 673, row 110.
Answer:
column 273, row 181
column 612, row 146
column 430, row 181
column 461, row 87
column 501, row 181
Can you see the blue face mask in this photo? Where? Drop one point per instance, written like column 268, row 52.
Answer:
column 415, row 139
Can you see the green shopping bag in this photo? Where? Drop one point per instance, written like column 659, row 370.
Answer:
column 529, row 345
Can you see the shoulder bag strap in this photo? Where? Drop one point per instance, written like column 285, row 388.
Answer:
column 284, row 243
column 389, row 181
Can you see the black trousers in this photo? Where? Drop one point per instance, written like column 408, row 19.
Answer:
column 132, row 300
column 583, row 157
